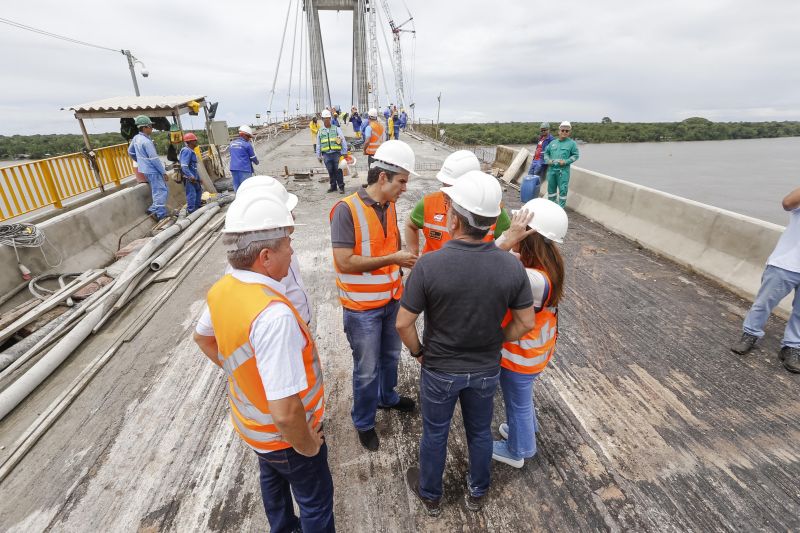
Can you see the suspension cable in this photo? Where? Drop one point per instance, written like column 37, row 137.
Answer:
column 280, row 54
column 388, row 52
column 291, row 63
column 300, row 67
column 54, row 35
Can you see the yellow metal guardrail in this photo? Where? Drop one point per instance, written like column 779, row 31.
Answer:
column 29, row 186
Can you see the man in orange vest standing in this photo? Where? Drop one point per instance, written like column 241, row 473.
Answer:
column 367, row 259
column 275, row 387
column 373, row 136
column 430, row 213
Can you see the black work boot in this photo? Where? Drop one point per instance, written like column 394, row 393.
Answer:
column 791, row 359
column 432, row 507
column 745, row 344
column 369, row 439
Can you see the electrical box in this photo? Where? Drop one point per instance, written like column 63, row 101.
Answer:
column 219, row 133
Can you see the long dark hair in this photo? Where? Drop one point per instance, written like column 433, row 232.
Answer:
column 537, row 252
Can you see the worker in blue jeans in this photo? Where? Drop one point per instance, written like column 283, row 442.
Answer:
column 331, row 144
column 191, row 178
column 143, row 150
column 463, row 336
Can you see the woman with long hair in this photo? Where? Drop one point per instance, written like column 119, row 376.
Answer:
column 523, row 360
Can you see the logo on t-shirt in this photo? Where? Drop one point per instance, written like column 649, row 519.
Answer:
column 438, row 217
column 435, row 234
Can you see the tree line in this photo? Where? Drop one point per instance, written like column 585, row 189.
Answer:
column 607, row 131
column 42, row 146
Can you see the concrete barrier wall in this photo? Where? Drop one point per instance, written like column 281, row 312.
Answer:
column 725, row 246
column 87, row 236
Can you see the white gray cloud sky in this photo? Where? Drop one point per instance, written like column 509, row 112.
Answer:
column 500, row 60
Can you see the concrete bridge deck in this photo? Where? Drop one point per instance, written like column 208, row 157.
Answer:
column 648, row 422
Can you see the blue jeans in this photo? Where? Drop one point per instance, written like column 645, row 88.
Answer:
column 520, row 412
column 776, row 283
column 193, row 193
column 286, row 472
column 439, row 392
column 397, row 133
column 335, row 175
column 376, row 351
column 158, row 190
column 238, row 178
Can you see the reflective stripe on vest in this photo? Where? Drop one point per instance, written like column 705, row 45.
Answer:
column 234, row 306
column 327, row 140
column 531, row 353
column 375, row 139
column 434, row 225
column 370, row 290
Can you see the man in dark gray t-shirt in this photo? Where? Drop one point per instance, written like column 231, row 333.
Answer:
column 465, row 290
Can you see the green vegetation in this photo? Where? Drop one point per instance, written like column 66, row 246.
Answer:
column 607, row 131
column 41, row 146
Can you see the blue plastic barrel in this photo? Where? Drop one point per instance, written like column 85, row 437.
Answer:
column 530, row 188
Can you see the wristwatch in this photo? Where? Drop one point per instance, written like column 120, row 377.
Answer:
column 418, row 353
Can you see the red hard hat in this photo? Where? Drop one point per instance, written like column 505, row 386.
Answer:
column 189, row 137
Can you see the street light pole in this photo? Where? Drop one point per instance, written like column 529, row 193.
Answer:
column 129, row 56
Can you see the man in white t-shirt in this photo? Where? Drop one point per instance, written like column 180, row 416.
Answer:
column 781, row 277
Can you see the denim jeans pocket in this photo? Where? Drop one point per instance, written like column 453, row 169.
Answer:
column 435, row 386
column 489, row 385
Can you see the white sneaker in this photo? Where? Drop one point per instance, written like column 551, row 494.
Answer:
column 503, row 429
column 500, row 453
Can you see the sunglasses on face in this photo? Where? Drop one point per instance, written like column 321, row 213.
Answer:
column 564, row 130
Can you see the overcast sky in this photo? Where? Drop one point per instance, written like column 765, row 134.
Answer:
column 500, row 60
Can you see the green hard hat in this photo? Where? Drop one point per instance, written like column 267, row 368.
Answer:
column 544, row 126
column 143, row 120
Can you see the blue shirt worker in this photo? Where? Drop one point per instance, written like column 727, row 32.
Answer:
column 355, row 119
column 191, row 178
column 331, row 144
column 538, row 169
column 559, row 156
column 143, row 150
column 243, row 157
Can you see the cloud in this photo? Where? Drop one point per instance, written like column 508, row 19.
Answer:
column 503, row 60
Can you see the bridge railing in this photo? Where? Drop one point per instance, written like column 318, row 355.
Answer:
column 26, row 187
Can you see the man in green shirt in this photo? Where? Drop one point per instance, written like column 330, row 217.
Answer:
column 558, row 157
column 430, row 213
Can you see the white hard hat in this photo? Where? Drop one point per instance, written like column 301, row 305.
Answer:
column 397, row 154
column 244, row 128
column 478, row 193
column 549, row 219
column 373, row 113
column 269, row 185
column 457, row 164
column 255, row 210
column 565, row 124
column 326, row 113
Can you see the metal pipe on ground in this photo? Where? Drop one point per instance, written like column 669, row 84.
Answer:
column 165, row 257
column 22, row 387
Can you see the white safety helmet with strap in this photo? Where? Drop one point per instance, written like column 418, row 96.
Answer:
column 475, row 193
column 549, row 219
column 456, row 165
column 395, row 156
column 373, row 113
column 269, row 185
column 244, row 128
column 566, row 125
column 255, row 210
column 325, row 113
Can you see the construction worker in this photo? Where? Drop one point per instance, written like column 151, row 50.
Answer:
column 314, row 127
column 191, row 178
column 781, row 277
column 331, row 144
column 430, row 213
column 143, row 152
column 293, row 282
column 243, row 156
column 390, row 126
column 373, row 136
column 463, row 335
column 558, row 157
column 275, row 387
column 523, row 360
column 355, row 119
column 533, row 181
column 367, row 259
column 396, row 123
column 403, row 122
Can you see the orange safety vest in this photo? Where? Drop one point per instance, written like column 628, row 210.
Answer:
column 531, row 353
column 370, row 290
column 434, row 225
column 234, row 306
column 375, row 139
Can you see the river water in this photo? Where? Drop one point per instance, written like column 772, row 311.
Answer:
column 745, row 176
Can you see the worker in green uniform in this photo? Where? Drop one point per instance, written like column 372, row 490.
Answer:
column 558, row 157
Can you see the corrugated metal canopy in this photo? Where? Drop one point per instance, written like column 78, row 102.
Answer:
column 123, row 106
